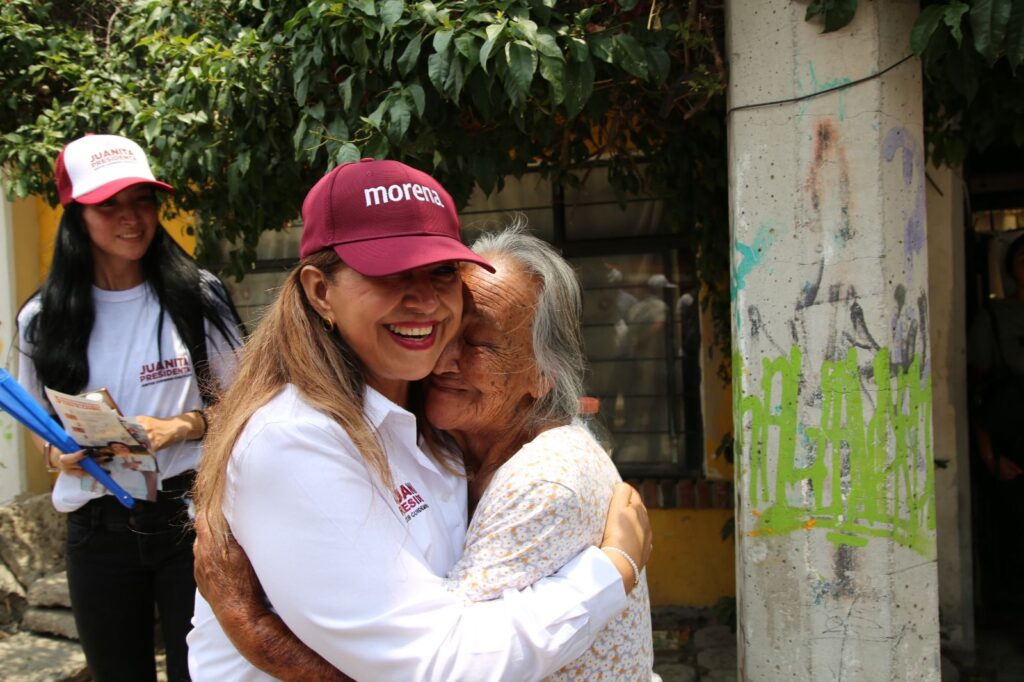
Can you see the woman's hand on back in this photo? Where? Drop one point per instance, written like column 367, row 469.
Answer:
column 225, row 577
column 628, row 530
column 229, row 584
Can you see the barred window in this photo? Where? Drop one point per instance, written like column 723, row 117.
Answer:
column 640, row 318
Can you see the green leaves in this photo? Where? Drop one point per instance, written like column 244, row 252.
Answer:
column 347, row 153
column 493, row 32
column 400, row 113
column 629, row 54
column 578, row 50
column 442, row 39
column 952, row 17
column 553, row 71
column 996, row 27
column 989, row 21
column 410, row 55
column 235, row 101
column 391, row 12
column 929, row 20
column 547, row 44
column 367, row 7
column 522, row 62
column 438, row 66
column 579, row 84
column 1015, row 36
column 835, row 14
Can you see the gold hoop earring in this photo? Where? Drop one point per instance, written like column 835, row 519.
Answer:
column 328, row 324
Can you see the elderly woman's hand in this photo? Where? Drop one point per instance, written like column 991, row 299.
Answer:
column 225, row 578
column 229, row 584
column 628, row 539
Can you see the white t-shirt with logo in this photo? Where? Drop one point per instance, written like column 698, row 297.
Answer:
column 144, row 378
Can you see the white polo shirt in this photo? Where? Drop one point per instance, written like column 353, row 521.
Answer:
column 357, row 572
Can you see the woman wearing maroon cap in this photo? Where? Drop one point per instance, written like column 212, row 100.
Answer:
column 319, row 471
column 125, row 308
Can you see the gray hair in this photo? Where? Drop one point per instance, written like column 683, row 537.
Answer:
column 557, row 332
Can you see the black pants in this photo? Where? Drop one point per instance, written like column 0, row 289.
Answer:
column 1007, row 524
column 121, row 563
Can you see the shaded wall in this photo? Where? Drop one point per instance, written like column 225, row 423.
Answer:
column 947, row 316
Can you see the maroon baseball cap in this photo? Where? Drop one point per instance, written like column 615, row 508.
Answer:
column 383, row 217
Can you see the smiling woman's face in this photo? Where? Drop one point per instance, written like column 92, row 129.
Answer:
column 397, row 325
column 486, row 377
column 121, row 228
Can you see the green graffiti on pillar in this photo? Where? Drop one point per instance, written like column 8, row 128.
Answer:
column 861, row 472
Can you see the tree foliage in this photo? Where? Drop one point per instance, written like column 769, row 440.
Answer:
column 244, row 104
column 972, row 54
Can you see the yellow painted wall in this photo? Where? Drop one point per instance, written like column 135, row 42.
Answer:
column 716, row 400
column 26, row 249
column 26, row 281
column 47, row 221
column 178, row 227
column 691, row 565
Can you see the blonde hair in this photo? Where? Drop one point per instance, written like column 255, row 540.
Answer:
column 291, row 345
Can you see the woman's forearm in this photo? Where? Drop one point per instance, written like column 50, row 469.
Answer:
column 263, row 638
column 163, row 432
column 226, row 580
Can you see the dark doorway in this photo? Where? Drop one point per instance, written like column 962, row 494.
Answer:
column 995, row 309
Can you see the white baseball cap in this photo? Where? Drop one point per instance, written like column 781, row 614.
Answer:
column 94, row 168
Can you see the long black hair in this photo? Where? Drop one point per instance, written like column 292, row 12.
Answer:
column 59, row 333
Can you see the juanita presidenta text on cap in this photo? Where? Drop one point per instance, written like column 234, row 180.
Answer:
column 94, row 168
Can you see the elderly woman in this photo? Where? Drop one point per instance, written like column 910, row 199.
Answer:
column 505, row 394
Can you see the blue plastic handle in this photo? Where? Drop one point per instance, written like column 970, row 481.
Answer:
column 16, row 400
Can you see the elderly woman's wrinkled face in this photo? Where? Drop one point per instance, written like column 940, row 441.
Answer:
column 486, row 378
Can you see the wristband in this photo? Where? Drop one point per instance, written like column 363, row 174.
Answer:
column 632, row 564
column 47, row 449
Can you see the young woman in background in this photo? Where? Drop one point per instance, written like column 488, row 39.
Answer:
column 125, row 308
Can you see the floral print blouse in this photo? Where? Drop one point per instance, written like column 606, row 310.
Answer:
column 542, row 507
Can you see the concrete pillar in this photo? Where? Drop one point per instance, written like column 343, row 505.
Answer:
column 947, row 298
column 835, row 518
column 12, row 465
